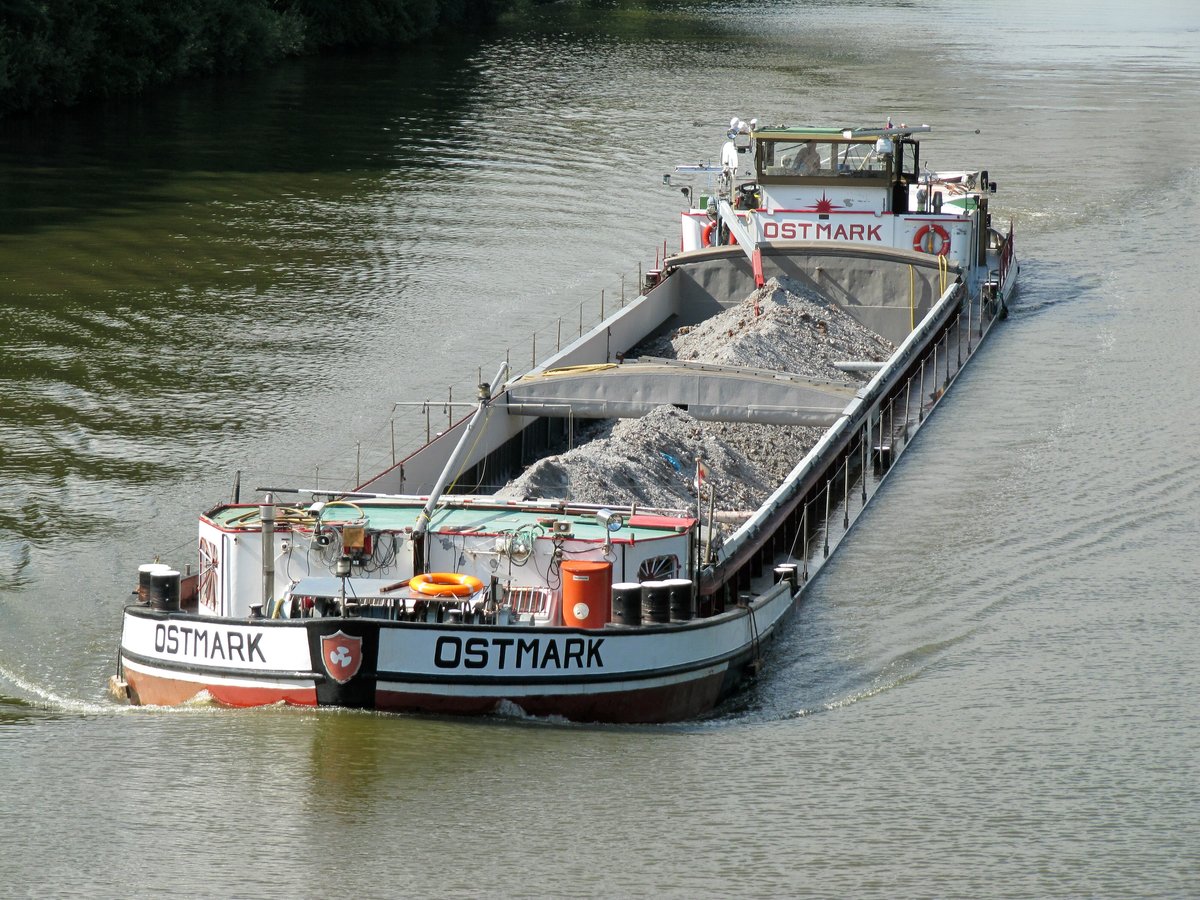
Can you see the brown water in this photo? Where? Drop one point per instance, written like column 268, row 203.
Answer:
column 988, row 692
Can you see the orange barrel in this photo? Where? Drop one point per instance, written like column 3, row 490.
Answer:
column 586, row 593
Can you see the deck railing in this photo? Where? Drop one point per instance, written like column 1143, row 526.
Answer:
column 834, row 499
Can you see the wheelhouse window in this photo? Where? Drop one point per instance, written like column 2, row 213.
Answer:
column 863, row 160
column 833, row 159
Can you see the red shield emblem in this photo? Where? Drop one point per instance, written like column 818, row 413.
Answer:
column 342, row 655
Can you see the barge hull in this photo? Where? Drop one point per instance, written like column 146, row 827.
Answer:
column 637, row 684
column 481, row 574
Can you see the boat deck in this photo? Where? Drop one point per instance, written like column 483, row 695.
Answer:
column 464, row 517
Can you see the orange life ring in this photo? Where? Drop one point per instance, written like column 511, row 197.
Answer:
column 939, row 232
column 445, row 584
column 707, row 233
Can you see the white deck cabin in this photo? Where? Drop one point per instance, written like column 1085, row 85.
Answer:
column 855, row 185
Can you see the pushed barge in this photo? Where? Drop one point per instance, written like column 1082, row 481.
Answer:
column 406, row 595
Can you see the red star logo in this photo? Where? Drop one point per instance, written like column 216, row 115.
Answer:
column 825, row 205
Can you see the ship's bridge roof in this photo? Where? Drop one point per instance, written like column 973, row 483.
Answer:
column 815, row 133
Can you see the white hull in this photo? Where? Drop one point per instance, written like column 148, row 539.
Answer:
column 616, row 674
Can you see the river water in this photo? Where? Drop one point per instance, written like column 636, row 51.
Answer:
column 990, row 691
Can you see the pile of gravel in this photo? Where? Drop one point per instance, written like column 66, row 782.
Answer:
column 651, row 461
column 785, row 327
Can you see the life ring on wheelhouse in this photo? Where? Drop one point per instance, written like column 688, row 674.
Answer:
column 445, row 584
column 706, row 236
column 932, row 231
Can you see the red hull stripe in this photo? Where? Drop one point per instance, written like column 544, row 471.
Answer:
column 626, row 704
column 158, row 688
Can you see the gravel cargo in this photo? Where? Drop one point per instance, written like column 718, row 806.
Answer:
column 652, row 461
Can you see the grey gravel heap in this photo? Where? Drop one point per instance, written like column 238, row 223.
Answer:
column 785, row 327
column 651, row 461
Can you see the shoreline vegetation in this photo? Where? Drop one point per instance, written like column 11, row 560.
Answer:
column 61, row 52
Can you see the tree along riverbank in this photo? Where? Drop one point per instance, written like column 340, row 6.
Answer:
column 58, row 52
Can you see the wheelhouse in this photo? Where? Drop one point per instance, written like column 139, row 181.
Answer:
column 878, row 165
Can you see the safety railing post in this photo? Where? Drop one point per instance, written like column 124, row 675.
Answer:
column 921, row 395
column 863, row 438
column 828, row 492
column 970, row 305
column 958, row 340
column 846, row 493
column 935, row 373
column 946, row 353
column 892, row 420
column 804, row 537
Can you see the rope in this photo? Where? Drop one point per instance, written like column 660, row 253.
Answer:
column 288, row 515
column 354, row 507
column 572, row 370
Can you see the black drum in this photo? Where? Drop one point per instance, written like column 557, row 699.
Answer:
column 789, row 572
column 144, row 573
column 656, row 602
column 627, row 603
column 682, row 602
column 164, row 590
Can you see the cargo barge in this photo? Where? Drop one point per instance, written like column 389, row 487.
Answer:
column 417, row 592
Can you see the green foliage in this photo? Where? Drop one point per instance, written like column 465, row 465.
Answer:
column 344, row 23
column 58, row 51
column 336, row 23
